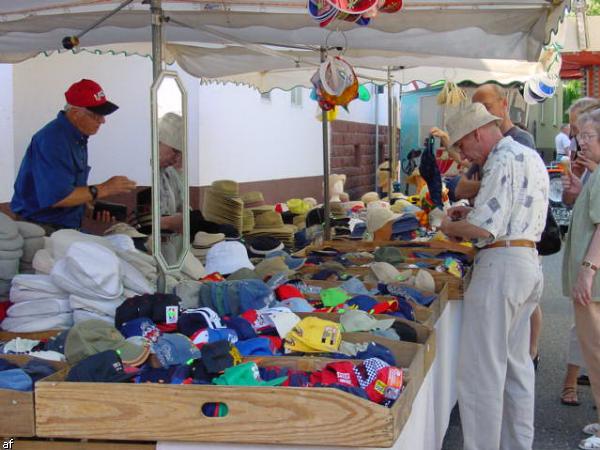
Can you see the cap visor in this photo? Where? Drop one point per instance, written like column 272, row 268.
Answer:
column 274, row 382
column 105, row 109
column 133, row 355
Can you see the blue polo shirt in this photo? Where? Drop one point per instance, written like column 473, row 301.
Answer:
column 55, row 163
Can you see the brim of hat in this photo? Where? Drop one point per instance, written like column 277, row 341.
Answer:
column 457, row 137
column 385, row 324
column 132, row 354
column 104, row 110
column 266, row 252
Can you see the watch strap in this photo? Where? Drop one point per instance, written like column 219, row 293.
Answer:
column 590, row 265
column 94, row 192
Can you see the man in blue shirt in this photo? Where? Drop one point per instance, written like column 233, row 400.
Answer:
column 52, row 188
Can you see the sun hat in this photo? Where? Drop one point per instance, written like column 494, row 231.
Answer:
column 89, row 95
column 171, row 130
column 263, row 245
column 369, row 197
column 124, row 228
column 292, row 262
column 206, row 240
column 466, row 120
column 271, row 266
column 378, row 217
column 226, row 257
column 95, row 336
column 226, row 187
column 253, row 199
column 298, row 206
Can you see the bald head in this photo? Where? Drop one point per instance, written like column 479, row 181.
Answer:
column 495, row 100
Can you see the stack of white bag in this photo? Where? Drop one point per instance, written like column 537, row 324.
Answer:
column 33, row 240
column 39, row 305
column 11, row 250
column 97, row 280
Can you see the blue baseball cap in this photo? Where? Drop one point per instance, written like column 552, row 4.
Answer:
column 16, row 380
column 241, row 326
column 210, row 335
column 255, row 347
column 174, row 349
column 362, row 302
column 142, row 326
column 375, row 350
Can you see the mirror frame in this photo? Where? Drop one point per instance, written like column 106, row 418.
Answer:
column 156, row 235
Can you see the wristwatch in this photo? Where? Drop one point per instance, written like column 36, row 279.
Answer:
column 94, row 192
column 590, row 265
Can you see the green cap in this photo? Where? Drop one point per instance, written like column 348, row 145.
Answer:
column 334, row 296
column 392, row 255
column 95, row 336
column 246, row 374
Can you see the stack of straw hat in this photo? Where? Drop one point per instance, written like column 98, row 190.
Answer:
column 270, row 223
column 222, row 203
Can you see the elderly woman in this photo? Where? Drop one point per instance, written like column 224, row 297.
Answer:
column 581, row 167
column 582, row 260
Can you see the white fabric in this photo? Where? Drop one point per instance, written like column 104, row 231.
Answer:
column 36, row 283
column 30, row 247
column 30, row 230
column 512, row 202
column 9, row 255
column 102, row 307
column 134, row 280
column 82, row 315
column 120, row 242
column 11, row 244
column 8, row 268
column 505, row 289
column 141, row 261
column 61, row 240
column 43, row 261
column 41, row 322
column 90, row 270
column 35, row 307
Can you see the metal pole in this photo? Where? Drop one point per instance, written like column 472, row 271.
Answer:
column 391, row 131
column 157, row 41
column 399, row 126
column 325, row 126
column 376, row 93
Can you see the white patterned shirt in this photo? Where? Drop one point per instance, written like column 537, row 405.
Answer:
column 512, row 202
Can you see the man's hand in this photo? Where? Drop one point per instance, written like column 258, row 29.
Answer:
column 116, row 185
column 445, row 226
column 442, row 135
column 582, row 290
column 458, row 212
column 572, row 185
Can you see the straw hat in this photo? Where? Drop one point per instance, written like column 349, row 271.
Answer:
column 226, row 187
column 466, row 120
column 270, row 223
column 207, row 240
column 369, row 197
column 378, row 217
column 312, row 202
column 253, row 199
column 247, row 220
column 337, row 210
column 222, row 204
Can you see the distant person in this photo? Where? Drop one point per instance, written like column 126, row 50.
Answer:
column 52, row 188
column 562, row 143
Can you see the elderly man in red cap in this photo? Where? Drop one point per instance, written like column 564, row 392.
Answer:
column 52, row 188
column 495, row 372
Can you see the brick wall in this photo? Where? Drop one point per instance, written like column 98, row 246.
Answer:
column 353, row 154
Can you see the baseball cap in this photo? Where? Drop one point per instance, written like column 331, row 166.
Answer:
column 357, row 320
column 259, row 346
column 143, row 327
column 194, row 319
column 246, row 374
column 334, row 296
column 16, row 380
column 94, row 336
column 312, row 335
column 208, row 335
column 89, row 95
column 174, row 349
column 103, row 367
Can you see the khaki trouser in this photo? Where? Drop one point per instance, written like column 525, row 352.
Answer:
column 587, row 325
column 495, row 371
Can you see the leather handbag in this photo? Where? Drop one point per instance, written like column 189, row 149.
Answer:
column 551, row 236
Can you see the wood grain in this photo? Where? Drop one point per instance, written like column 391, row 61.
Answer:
column 45, row 444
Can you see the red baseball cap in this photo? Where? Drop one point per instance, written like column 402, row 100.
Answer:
column 89, row 94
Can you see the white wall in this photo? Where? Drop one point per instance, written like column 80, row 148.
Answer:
column 233, row 132
column 7, row 158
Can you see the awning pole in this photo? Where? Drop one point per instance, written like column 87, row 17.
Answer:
column 325, row 127
column 376, row 94
column 391, row 131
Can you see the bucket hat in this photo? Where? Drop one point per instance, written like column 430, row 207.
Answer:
column 227, row 257
column 466, row 120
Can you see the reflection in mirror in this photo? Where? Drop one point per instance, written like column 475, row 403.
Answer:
column 171, row 145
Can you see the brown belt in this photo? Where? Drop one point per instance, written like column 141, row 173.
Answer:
column 513, row 243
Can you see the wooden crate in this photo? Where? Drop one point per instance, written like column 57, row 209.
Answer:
column 6, row 336
column 47, row 444
column 369, row 246
column 259, row 415
column 18, row 411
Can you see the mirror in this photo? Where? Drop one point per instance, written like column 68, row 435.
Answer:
column 170, row 192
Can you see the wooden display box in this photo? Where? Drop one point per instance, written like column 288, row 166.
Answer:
column 46, row 444
column 257, row 415
column 17, row 407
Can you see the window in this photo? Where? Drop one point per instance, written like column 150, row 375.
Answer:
column 296, row 96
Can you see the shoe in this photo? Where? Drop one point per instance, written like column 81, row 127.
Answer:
column 568, row 396
column 583, row 380
column 590, row 443
column 591, row 428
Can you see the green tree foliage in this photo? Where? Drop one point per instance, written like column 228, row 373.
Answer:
column 593, row 7
column 571, row 92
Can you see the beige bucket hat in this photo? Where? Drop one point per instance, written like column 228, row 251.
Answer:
column 466, row 120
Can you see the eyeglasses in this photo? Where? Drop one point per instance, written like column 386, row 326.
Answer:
column 586, row 137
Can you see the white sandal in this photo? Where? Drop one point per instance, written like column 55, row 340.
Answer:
column 591, row 428
column 590, row 443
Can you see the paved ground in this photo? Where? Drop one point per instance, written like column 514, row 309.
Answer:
column 557, row 427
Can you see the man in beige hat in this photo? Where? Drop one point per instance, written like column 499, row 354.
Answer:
column 495, row 371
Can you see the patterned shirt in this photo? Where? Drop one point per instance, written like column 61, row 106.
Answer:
column 512, row 202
